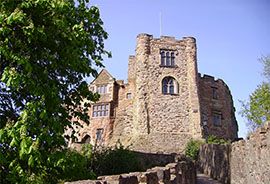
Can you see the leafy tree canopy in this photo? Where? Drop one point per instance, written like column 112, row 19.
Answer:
column 47, row 48
column 257, row 108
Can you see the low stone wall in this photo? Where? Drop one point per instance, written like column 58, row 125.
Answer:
column 250, row 159
column 148, row 160
column 214, row 161
column 242, row 162
column 181, row 172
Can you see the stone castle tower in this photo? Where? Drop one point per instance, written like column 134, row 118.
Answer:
column 165, row 102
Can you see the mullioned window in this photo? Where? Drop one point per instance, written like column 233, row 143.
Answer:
column 167, row 58
column 169, row 86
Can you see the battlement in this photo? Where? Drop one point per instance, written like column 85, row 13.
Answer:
column 213, row 80
column 162, row 104
column 148, row 37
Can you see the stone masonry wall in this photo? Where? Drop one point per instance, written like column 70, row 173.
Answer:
column 242, row 162
column 182, row 172
column 250, row 159
column 215, row 98
column 147, row 119
column 164, row 123
column 214, row 161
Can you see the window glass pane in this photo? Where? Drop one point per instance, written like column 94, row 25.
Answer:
column 164, row 89
column 172, row 59
column 168, row 59
column 214, row 93
column 99, row 133
column 128, row 95
column 217, row 119
column 162, row 58
column 171, row 89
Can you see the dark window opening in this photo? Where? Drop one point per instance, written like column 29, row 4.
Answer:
column 214, row 93
column 86, row 139
column 217, row 119
column 162, row 58
column 99, row 134
column 169, row 86
column 129, row 96
column 167, row 58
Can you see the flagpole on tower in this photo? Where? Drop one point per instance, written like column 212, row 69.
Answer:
column 160, row 24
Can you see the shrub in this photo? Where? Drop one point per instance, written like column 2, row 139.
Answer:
column 192, row 149
column 211, row 139
column 76, row 167
column 108, row 161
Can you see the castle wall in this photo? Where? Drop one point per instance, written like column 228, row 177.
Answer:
column 216, row 100
column 160, row 119
column 250, row 160
column 242, row 162
column 148, row 119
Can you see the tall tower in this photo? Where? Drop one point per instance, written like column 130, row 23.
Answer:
column 166, row 111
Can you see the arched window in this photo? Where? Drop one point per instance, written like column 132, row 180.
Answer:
column 169, row 86
column 86, row 139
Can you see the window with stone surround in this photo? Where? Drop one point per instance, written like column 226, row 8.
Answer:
column 167, row 58
column 100, row 110
column 214, row 93
column 129, row 96
column 99, row 133
column 169, row 86
column 102, row 89
column 217, row 118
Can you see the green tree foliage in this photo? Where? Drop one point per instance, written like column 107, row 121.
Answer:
column 257, row 108
column 117, row 160
column 47, row 48
column 265, row 60
column 192, row 149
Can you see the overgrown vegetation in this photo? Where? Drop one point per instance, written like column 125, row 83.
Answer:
column 211, row 139
column 110, row 161
column 47, row 49
column 193, row 146
column 192, row 149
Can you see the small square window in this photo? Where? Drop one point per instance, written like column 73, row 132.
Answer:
column 129, row 96
column 214, row 93
column 217, row 119
column 99, row 133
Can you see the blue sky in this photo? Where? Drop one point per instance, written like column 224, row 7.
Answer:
column 231, row 35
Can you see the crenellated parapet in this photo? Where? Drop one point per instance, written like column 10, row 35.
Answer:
column 217, row 108
column 165, row 101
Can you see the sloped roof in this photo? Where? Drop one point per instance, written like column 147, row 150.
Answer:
column 103, row 77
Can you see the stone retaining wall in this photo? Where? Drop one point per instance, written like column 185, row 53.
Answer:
column 242, row 162
column 250, row 159
column 214, row 161
column 182, row 172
